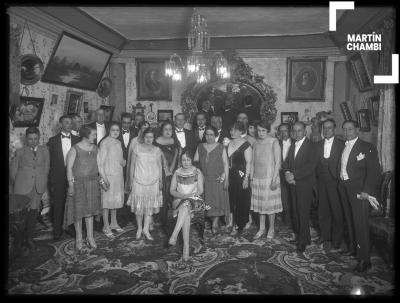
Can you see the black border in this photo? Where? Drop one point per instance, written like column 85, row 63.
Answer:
column 169, row 111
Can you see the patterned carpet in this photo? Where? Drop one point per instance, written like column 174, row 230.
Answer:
column 225, row 265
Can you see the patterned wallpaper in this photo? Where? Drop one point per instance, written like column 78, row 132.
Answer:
column 49, row 120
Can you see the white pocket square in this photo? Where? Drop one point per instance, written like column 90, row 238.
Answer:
column 360, row 156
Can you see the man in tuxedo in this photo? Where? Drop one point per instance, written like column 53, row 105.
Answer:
column 242, row 118
column 200, row 128
column 59, row 146
column 216, row 121
column 29, row 171
column 285, row 141
column 76, row 124
column 330, row 212
column 184, row 136
column 137, row 119
column 100, row 125
column 250, row 110
column 229, row 115
column 299, row 170
column 359, row 172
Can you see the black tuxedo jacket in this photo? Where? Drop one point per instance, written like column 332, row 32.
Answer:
column 132, row 134
column 190, row 140
column 363, row 167
column 93, row 124
column 58, row 170
column 303, row 166
column 228, row 119
column 197, row 136
column 281, row 145
column 223, row 134
column 334, row 157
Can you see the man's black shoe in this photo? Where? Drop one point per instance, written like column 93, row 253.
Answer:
column 348, row 253
column 363, row 266
column 301, row 248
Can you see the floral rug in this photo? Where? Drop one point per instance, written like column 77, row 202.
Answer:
column 224, row 265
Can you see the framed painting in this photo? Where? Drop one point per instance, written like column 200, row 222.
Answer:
column 73, row 102
column 164, row 115
column 306, row 80
column 360, row 73
column 76, row 63
column 289, row 117
column 344, row 107
column 108, row 112
column 152, row 84
column 363, row 120
column 28, row 113
column 374, row 108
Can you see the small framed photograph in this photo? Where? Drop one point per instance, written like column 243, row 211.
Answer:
column 363, row 120
column 54, row 99
column 28, row 113
column 108, row 112
column 73, row 102
column 345, row 111
column 306, row 79
column 164, row 115
column 289, row 117
column 360, row 73
column 152, row 83
column 374, row 108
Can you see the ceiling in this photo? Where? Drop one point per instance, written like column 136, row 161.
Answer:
column 145, row 23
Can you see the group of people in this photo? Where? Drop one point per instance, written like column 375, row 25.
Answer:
column 234, row 173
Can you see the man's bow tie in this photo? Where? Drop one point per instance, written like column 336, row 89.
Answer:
column 125, row 131
column 65, row 136
column 201, row 128
column 179, row 131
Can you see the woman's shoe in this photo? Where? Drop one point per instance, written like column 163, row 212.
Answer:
column 234, row 232
column 79, row 245
column 259, row 234
column 172, row 242
column 248, row 225
column 118, row 229
column 91, row 243
column 270, row 235
column 108, row 233
column 148, row 236
column 138, row 234
column 185, row 255
column 214, row 230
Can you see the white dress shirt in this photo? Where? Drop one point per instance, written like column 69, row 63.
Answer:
column 66, row 145
column 285, row 148
column 328, row 147
column 201, row 132
column 125, row 137
column 180, row 134
column 345, row 158
column 101, row 131
column 297, row 146
column 75, row 133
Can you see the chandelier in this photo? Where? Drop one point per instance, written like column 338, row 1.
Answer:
column 198, row 63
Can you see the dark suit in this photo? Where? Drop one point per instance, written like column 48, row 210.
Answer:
column 287, row 214
column 223, row 134
column 228, row 119
column 363, row 170
column 303, row 169
column 197, row 138
column 132, row 134
column 58, row 179
column 330, row 212
column 252, row 113
column 189, row 138
column 107, row 126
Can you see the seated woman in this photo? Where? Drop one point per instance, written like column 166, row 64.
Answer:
column 186, row 187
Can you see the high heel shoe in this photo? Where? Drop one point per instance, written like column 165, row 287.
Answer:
column 91, row 243
column 148, row 236
column 79, row 245
column 270, row 235
column 108, row 233
column 138, row 235
column 118, row 229
column 259, row 234
column 172, row 242
column 185, row 255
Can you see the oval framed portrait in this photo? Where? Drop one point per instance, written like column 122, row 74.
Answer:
column 151, row 117
column 104, row 88
column 31, row 69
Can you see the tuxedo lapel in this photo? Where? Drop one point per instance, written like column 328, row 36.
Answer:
column 300, row 152
column 353, row 154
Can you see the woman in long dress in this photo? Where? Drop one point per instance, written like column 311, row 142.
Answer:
column 186, row 188
column 111, row 162
column 214, row 165
column 83, row 199
column 145, row 198
column 239, row 157
column 264, row 176
column 170, row 149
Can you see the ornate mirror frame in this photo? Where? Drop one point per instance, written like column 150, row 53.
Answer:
column 242, row 76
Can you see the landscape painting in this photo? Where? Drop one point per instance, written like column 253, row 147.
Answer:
column 76, row 63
